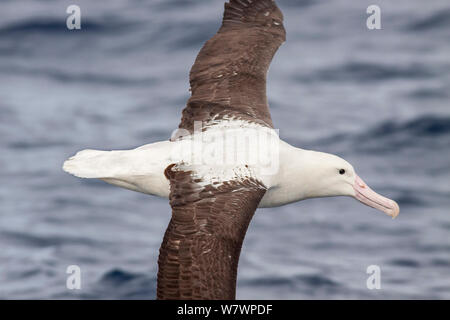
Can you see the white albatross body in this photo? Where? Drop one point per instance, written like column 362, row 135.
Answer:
column 299, row 174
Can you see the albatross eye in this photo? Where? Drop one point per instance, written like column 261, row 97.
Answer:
column 342, row 171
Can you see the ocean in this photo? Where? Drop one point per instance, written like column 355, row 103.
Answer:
column 377, row 98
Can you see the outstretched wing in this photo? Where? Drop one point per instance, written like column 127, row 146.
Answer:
column 200, row 251
column 228, row 78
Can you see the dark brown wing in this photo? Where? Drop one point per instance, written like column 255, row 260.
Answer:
column 200, row 251
column 229, row 74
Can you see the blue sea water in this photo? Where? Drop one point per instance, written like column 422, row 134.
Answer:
column 379, row 99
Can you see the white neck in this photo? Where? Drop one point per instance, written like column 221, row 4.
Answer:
column 299, row 177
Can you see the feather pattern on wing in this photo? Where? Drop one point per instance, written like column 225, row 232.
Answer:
column 200, row 251
column 228, row 78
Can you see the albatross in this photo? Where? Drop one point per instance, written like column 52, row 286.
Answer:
column 225, row 160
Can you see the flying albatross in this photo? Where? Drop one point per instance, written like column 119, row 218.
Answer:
column 212, row 199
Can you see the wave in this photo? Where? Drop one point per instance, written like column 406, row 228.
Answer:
column 368, row 71
column 405, row 262
column 316, row 280
column 411, row 198
column 36, row 241
column 43, row 25
column 50, row 25
column 440, row 262
column 429, row 93
column 179, row 4
column 84, row 78
column 121, row 284
column 424, row 135
column 300, row 3
column 312, row 281
column 393, row 134
column 27, row 145
column 435, row 21
column 425, row 126
column 267, row 282
column 118, row 277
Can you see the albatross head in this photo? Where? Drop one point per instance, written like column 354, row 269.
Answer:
column 330, row 176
